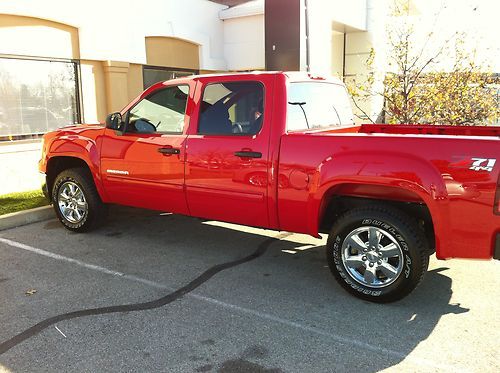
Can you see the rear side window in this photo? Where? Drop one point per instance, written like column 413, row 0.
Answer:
column 317, row 105
column 232, row 108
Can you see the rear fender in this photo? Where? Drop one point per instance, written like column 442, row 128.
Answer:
column 406, row 173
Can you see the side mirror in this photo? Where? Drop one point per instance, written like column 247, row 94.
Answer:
column 114, row 121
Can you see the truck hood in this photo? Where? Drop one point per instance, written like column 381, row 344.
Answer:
column 78, row 131
column 80, row 128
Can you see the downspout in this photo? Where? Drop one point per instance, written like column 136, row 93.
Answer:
column 307, row 36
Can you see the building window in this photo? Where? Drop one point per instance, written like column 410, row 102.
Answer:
column 155, row 74
column 37, row 96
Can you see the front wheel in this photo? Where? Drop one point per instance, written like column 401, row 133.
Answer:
column 76, row 201
column 377, row 253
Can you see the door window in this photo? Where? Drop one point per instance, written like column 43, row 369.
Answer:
column 232, row 108
column 162, row 111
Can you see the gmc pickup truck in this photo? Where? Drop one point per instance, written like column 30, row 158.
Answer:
column 281, row 151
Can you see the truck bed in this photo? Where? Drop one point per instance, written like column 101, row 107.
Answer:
column 414, row 129
column 430, row 130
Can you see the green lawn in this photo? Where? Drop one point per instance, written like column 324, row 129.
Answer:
column 21, row 201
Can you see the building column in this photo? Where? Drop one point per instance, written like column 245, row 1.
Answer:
column 115, row 76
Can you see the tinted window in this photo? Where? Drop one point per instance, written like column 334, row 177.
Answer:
column 163, row 111
column 323, row 104
column 232, row 108
column 152, row 75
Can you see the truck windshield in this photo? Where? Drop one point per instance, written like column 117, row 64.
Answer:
column 314, row 105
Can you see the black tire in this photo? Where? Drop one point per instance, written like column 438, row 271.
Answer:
column 389, row 278
column 95, row 209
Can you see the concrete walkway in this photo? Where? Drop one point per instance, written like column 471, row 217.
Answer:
column 19, row 166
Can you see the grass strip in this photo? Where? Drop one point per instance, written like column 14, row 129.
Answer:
column 13, row 202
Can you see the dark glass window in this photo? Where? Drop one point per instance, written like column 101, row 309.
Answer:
column 232, row 108
column 152, row 75
column 36, row 96
column 317, row 105
column 163, row 111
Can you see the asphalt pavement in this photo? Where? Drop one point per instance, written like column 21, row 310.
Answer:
column 159, row 292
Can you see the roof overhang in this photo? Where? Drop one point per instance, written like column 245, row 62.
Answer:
column 250, row 8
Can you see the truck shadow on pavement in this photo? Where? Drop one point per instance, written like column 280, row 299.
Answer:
column 390, row 330
column 394, row 329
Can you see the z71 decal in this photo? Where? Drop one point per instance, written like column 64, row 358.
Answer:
column 483, row 164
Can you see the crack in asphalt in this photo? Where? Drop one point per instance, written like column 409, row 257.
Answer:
column 169, row 298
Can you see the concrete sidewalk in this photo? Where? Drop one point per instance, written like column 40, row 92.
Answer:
column 19, row 166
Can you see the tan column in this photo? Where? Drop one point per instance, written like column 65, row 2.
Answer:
column 115, row 76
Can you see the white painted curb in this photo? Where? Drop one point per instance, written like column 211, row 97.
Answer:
column 16, row 219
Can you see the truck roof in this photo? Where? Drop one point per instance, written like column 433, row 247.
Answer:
column 294, row 76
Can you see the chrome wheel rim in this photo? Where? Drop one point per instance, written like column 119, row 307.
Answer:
column 72, row 202
column 372, row 257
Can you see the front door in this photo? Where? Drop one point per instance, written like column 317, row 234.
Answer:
column 144, row 166
column 227, row 161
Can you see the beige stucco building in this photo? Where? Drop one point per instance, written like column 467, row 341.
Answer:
column 68, row 62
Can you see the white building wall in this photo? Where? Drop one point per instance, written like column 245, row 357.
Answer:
column 351, row 13
column 328, row 18
column 357, row 50
column 244, row 34
column 338, row 55
column 244, row 41
column 115, row 30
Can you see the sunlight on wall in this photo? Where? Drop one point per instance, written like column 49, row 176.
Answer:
column 37, row 37
column 4, row 369
column 13, row 40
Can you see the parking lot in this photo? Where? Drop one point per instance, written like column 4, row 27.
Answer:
column 160, row 292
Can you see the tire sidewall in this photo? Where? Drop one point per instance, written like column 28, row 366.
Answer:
column 61, row 179
column 411, row 266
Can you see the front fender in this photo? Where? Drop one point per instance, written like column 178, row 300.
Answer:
column 80, row 147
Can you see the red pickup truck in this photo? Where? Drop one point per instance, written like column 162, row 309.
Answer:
column 281, row 151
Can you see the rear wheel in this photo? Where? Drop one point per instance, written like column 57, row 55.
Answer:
column 76, row 201
column 377, row 253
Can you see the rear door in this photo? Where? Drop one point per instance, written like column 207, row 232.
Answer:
column 144, row 167
column 227, row 164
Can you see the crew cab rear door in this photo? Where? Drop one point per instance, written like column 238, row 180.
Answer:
column 144, row 166
column 227, row 156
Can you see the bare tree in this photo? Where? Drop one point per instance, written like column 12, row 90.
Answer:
column 417, row 90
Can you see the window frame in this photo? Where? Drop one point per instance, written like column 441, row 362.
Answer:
column 127, row 114
column 261, row 84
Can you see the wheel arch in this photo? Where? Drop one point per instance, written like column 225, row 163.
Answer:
column 345, row 196
column 59, row 163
